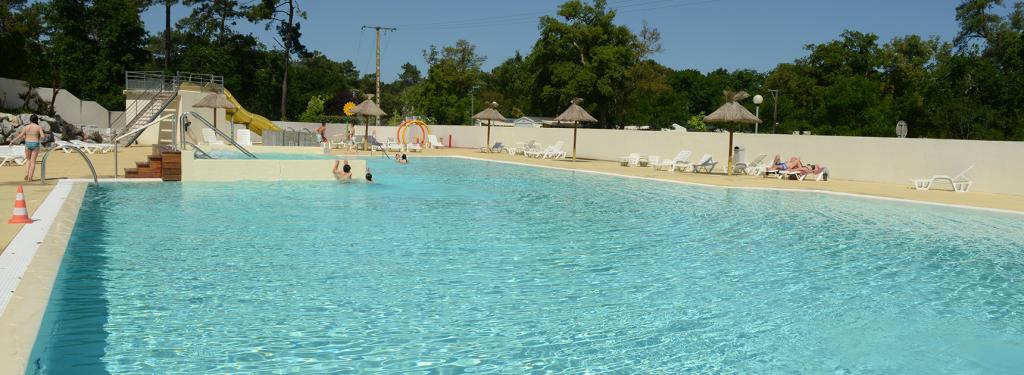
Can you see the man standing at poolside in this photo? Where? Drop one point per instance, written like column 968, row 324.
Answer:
column 33, row 135
column 322, row 132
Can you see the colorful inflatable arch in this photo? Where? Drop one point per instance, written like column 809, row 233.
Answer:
column 408, row 124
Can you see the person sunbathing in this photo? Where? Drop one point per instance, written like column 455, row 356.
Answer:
column 345, row 173
column 812, row 169
column 794, row 163
column 778, row 164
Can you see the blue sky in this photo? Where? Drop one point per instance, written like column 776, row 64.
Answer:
column 697, row 34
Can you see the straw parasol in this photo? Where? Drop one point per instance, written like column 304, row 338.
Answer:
column 576, row 114
column 215, row 100
column 489, row 114
column 366, row 109
column 732, row 113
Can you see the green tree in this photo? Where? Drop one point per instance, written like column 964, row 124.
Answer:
column 582, row 53
column 283, row 14
column 453, row 71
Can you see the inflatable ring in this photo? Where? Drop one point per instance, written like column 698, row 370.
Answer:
column 405, row 125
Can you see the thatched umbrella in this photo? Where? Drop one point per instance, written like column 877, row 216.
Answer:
column 490, row 113
column 366, row 109
column 732, row 113
column 576, row 114
column 214, row 100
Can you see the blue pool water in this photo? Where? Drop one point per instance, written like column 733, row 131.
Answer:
column 450, row 266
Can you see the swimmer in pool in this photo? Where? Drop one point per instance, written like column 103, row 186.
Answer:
column 402, row 160
column 33, row 135
column 369, row 176
column 345, row 173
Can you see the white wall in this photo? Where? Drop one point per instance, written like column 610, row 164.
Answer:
column 68, row 106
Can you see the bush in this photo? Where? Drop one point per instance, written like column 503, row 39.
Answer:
column 314, row 109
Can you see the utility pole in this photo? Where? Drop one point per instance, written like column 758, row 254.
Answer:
column 378, row 29
column 775, row 113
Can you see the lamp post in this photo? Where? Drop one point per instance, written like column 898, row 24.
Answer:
column 758, row 99
column 775, row 113
column 471, row 103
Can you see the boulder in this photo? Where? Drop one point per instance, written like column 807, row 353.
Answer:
column 8, row 117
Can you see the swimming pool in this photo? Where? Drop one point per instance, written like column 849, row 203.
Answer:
column 451, row 265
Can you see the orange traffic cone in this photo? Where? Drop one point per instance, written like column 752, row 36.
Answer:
column 20, row 211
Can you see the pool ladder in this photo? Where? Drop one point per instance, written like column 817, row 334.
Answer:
column 42, row 169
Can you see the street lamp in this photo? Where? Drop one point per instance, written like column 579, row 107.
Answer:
column 775, row 113
column 471, row 103
column 758, row 99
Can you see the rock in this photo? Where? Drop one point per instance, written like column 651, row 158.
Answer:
column 24, row 118
column 47, row 118
column 8, row 117
column 45, row 125
column 6, row 127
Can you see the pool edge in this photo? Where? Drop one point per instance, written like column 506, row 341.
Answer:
column 22, row 315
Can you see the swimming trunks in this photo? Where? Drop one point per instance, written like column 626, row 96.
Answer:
column 31, row 145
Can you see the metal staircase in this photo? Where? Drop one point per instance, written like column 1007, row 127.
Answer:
column 154, row 92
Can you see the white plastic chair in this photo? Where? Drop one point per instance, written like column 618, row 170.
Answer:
column 210, row 137
column 633, row 160
column 243, row 137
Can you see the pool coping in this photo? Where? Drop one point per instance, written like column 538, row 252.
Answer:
column 795, row 190
column 31, row 262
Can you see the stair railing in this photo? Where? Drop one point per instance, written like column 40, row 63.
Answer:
column 117, row 138
column 221, row 134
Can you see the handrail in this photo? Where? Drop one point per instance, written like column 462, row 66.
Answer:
column 298, row 141
column 152, row 85
column 42, row 169
column 196, row 148
column 222, row 135
column 144, row 127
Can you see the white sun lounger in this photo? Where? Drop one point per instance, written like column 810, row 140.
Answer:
column 12, row 154
column 960, row 182
column 497, row 147
column 93, row 147
column 434, row 142
column 802, row 176
column 63, row 146
column 680, row 162
column 556, row 151
column 751, row 168
column 707, row 163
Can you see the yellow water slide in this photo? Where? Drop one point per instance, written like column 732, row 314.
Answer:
column 256, row 122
